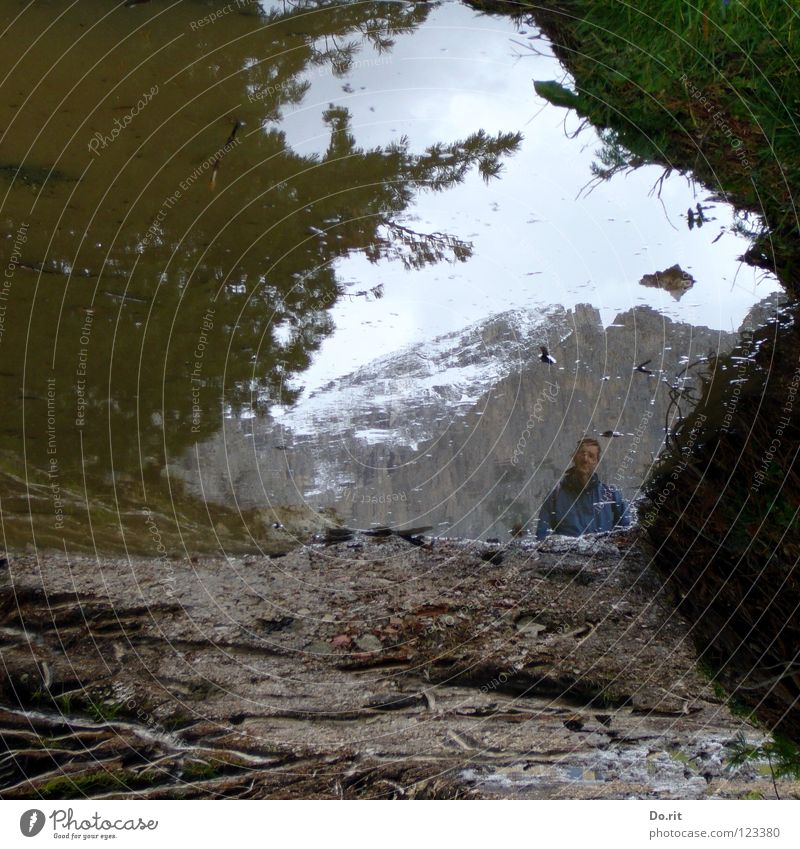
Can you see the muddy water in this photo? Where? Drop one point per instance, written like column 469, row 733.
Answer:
column 213, row 216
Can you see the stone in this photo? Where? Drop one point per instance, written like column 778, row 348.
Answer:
column 369, row 643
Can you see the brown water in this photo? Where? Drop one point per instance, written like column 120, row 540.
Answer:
column 173, row 259
column 159, row 228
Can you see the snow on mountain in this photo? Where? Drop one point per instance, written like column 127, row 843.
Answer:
column 451, row 372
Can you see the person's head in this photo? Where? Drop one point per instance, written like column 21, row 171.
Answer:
column 586, row 457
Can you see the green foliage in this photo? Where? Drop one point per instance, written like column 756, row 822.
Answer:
column 64, row 704
column 709, row 88
column 103, row 711
column 753, row 796
column 100, row 711
column 782, row 755
column 740, row 709
column 556, row 94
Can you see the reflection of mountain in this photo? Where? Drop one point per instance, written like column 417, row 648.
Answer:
column 433, row 434
column 446, row 378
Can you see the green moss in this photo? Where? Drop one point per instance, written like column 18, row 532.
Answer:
column 708, row 89
column 739, row 709
column 89, row 784
column 195, row 771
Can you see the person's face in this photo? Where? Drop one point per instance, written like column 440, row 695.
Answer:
column 586, row 459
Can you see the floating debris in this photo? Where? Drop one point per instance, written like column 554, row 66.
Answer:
column 674, row 280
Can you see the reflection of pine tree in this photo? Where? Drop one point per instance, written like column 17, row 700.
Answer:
column 261, row 249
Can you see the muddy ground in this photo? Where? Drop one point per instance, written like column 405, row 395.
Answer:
column 372, row 667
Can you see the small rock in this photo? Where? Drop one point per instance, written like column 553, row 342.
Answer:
column 528, row 625
column 397, row 701
column 369, row 643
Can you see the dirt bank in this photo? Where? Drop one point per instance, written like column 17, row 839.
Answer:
column 368, row 668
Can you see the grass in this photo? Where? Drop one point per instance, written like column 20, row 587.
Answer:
column 707, row 88
column 64, row 704
column 782, row 755
column 98, row 709
column 104, row 711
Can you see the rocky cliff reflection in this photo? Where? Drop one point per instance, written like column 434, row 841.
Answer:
column 469, row 434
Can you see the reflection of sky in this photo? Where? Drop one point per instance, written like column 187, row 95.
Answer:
column 536, row 242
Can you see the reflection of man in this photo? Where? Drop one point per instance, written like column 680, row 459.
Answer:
column 581, row 503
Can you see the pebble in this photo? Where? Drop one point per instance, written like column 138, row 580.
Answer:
column 369, row 643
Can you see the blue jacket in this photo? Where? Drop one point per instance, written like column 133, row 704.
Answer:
column 567, row 510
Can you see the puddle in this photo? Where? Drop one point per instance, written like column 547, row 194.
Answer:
column 308, row 255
